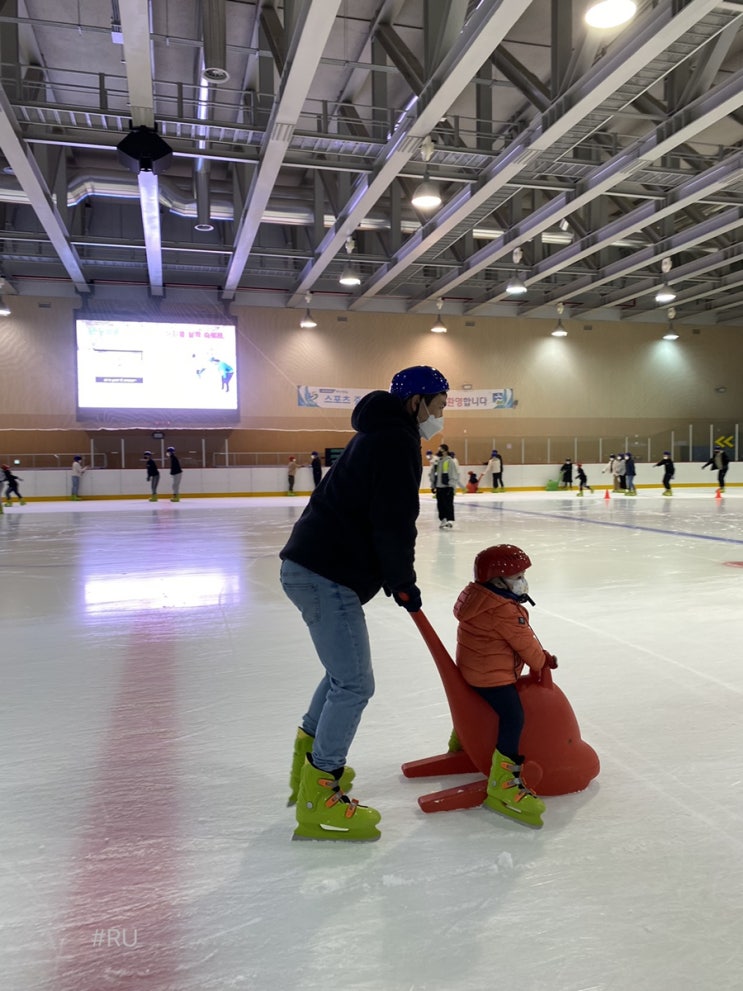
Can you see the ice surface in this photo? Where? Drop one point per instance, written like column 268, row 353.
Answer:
column 152, row 679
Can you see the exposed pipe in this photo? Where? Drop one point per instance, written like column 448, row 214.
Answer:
column 285, row 209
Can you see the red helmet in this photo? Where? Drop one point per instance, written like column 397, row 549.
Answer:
column 501, row 561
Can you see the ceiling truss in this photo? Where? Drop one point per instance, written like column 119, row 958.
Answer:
column 297, row 125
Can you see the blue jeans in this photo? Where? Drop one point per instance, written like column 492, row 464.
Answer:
column 336, row 622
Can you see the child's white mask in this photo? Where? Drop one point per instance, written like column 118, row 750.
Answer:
column 519, row 586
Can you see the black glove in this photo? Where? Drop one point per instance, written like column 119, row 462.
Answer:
column 409, row 597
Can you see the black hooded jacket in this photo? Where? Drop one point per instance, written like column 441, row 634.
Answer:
column 358, row 528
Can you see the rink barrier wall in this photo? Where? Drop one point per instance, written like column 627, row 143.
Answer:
column 129, row 483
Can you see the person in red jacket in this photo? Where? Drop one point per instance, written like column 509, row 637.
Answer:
column 494, row 641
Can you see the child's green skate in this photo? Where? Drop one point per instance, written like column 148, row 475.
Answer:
column 325, row 813
column 302, row 747
column 509, row 796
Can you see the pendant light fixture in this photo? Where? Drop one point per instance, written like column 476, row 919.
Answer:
column 439, row 327
column 670, row 334
column 605, row 14
column 308, row 321
column 515, row 286
column 559, row 330
column 426, row 195
column 349, row 275
column 665, row 294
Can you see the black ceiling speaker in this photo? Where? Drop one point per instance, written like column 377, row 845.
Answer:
column 143, row 150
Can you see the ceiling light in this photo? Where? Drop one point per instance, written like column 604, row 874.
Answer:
column 665, row 294
column 439, row 327
column 307, row 322
column 559, row 330
column 349, row 275
column 4, row 308
column 515, row 287
column 670, row 334
column 610, row 13
column 426, row 196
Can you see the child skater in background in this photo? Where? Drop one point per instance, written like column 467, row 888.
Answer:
column 473, row 481
column 582, row 480
column 494, row 641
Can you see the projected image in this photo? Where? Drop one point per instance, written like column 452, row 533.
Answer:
column 128, row 365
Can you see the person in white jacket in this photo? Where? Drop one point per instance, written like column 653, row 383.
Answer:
column 609, row 469
column 77, row 473
column 495, row 465
column 444, row 482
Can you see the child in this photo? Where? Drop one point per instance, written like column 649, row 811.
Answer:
column 473, row 481
column 583, row 480
column 11, row 481
column 494, row 641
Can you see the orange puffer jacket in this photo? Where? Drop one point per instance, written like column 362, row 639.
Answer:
column 494, row 639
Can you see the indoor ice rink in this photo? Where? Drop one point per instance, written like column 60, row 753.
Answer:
column 153, row 678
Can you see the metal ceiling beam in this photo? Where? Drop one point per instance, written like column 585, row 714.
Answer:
column 518, row 75
column 704, row 112
column 638, row 219
column 730, row 220
column 486, row 28
column 314, row 25
column 28, row 174
column 135, row 27
column 650, row 37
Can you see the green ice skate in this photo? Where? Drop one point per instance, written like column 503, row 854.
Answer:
column 324, row 812
column 509, row 796
column 302, row 747
column 454, row 746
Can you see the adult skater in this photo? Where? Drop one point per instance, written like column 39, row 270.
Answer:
column 495, row 465
column 153, row 475
column 721, row 462
column 669, row 471
column 176, row 474
column 291, row 474
column 444, row 476
column 11, row 486
column 77, row 473
column 316, row 466
column 629, row 474
column 494, row 641
column 352, row 540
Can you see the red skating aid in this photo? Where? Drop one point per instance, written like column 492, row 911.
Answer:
column 558, row 762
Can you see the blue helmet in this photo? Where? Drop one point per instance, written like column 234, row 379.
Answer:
column 418, row 380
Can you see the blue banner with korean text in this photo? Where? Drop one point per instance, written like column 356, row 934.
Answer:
column 471, row 400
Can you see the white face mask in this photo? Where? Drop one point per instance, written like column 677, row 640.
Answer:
column 430, row 427
column 519, row 586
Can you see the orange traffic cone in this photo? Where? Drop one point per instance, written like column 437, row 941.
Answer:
column 606, row 495
column 718, row 494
